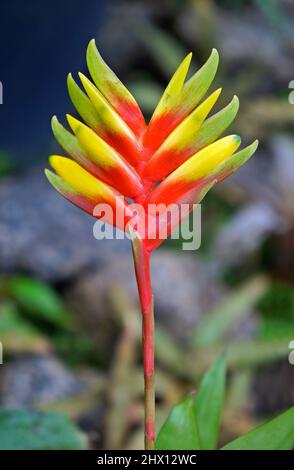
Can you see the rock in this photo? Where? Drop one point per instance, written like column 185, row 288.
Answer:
column 46, row 236
column 244, row 234
column 184, row 290
column 33, row 378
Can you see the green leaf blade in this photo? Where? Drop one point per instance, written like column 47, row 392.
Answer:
column 39, row 299
column 209, row 402
column 179, row 431
column 216, row 324
column 277, row 434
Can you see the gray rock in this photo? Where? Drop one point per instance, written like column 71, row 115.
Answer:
column 245, row 233
column 42, row 379
column 45, row 235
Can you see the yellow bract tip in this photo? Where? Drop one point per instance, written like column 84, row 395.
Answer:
column 206, row 160
column 87, row 84
column 56, row 162
column 79, row 179
column 82, row 76
column 74, row 123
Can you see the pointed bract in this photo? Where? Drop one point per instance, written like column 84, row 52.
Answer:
column 179, row 100
column 84, row 190
column 69, row 193
column 82, row 104
column 66, row 140
column 214, row 126
column 114, row 91
column 111, row 126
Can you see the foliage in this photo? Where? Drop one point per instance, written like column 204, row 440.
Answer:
column 28, row 430
column 19, row 335
column 277, row 312
column 215, row 324
column 39, row 299
column 209, row 402
column 33, row 319
column 180, row 431
column 194, row 423
column 277, row 434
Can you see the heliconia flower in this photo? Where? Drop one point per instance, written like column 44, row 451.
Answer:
column 115, row 158
column 178, row 149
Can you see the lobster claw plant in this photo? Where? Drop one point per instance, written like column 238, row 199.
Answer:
column 119, row 160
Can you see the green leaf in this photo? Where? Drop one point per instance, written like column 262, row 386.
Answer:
column 277, row 434
column 240, row 387
column 17, row 335
column 179, row 431
column 274, row 11
column 253, row 353
column 209, row 403
column 275, row 328
column 217, row 323
column 29, row 430
column 39, row 299
column 277, row 312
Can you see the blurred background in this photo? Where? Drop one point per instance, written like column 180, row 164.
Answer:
column 69, row 319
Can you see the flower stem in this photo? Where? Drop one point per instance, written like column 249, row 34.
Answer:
column 148, row 358
column 142, row 268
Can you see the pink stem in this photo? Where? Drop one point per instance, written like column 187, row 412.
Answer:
column 142, row 268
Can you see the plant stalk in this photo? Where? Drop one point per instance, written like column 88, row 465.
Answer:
column 148, row 359
column 142, row 269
